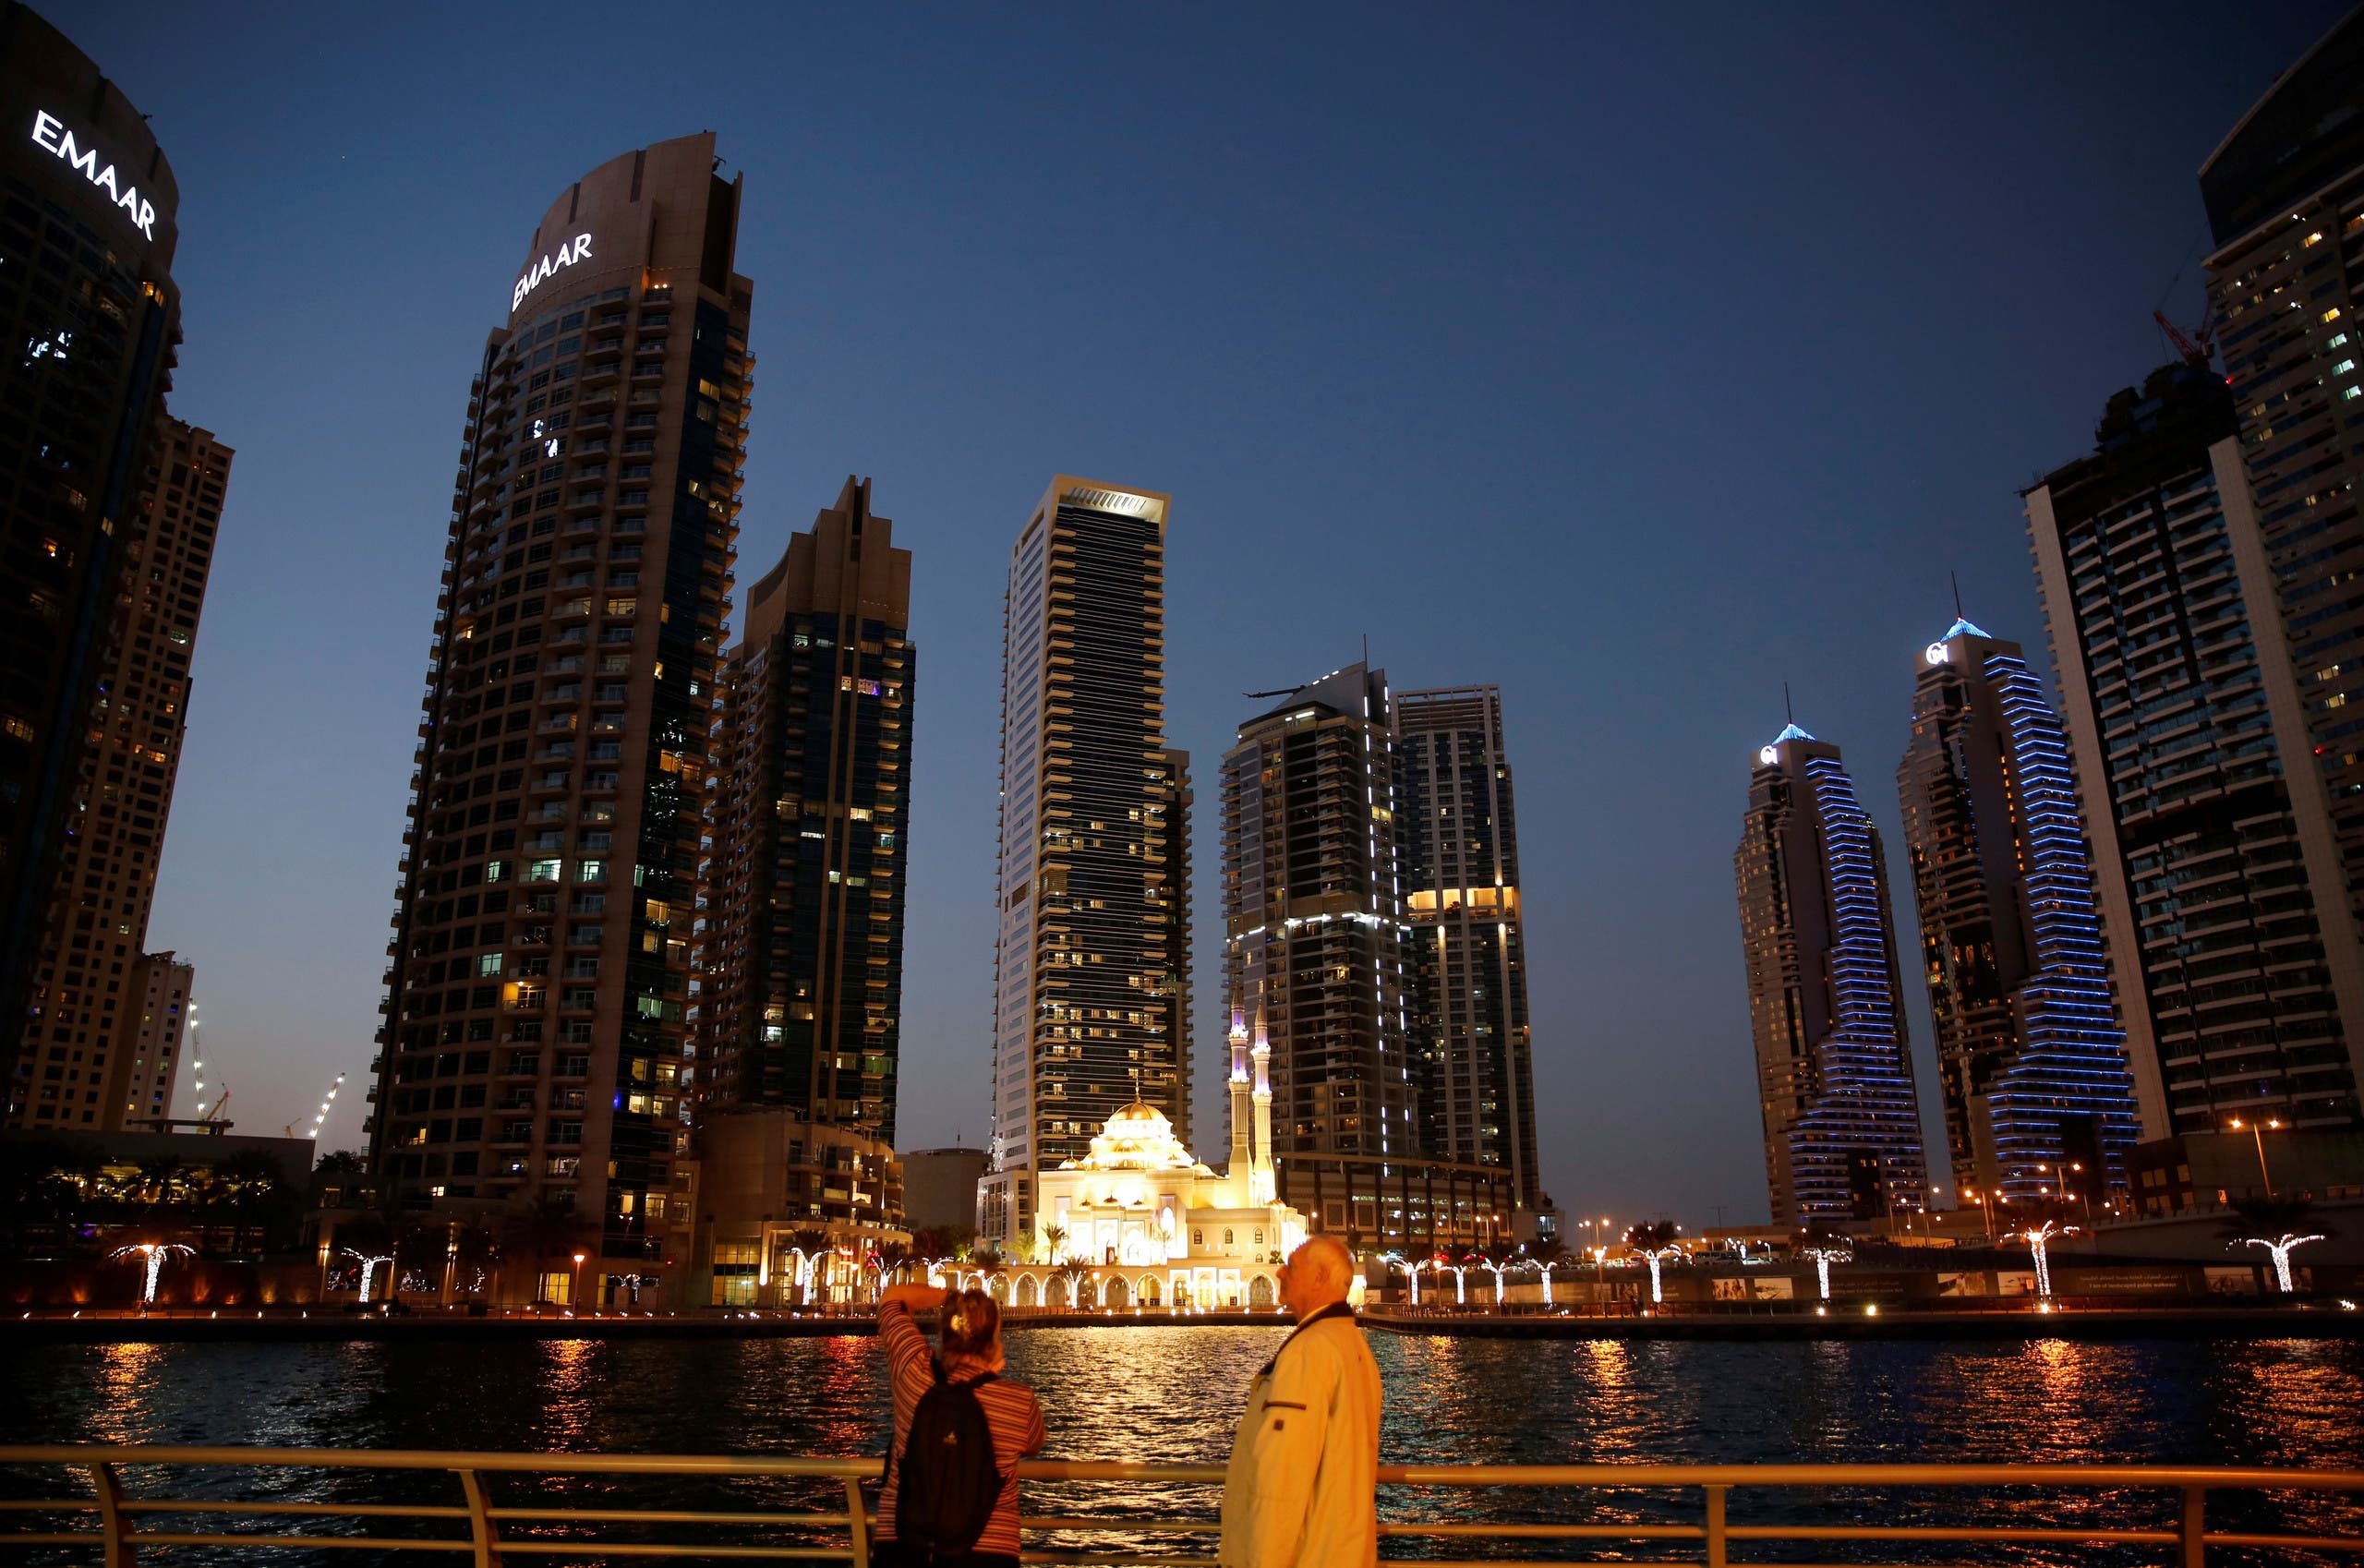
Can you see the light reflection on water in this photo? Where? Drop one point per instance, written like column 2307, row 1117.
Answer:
column 1171, row 1395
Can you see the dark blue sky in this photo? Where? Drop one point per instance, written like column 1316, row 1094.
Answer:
column 1633, row 362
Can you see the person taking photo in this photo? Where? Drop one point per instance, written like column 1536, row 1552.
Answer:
column 950, row 1498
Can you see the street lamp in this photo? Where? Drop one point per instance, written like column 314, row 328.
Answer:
column 2257, row 1133
column 574, row 1290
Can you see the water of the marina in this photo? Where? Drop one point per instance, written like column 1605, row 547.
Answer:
column 1170, row 1394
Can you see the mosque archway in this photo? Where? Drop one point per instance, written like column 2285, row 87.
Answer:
column 1259, row 1293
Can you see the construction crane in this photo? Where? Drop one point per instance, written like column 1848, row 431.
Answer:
column 320, row 1117
column 206, row 1114
column 2196, row 350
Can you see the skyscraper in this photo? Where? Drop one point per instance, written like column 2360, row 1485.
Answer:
column 2234, row 957
column 1319, row 976
column 2285, row 194
column 1842, row 1132
column 2038, row 1099
column 97, row 1067
column 1088, row 1010
column 802, row 986
column 1459, row 839
column 87, row 303
column 533, row 1033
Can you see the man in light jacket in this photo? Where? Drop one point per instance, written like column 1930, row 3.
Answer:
column 1302, row 1489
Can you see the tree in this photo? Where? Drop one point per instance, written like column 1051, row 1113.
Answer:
column 249, row 1181
column 2281, row 1225
column 1655, row 1242
column 1825, row 1247
column 1055, row 1242
column 547, row 1227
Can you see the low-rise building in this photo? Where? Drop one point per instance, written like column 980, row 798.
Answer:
column 789, row 1214
column 1139, row 1221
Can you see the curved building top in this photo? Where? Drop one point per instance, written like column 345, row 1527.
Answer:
column 2307, row 131
column 81, row 143
column 659, row 214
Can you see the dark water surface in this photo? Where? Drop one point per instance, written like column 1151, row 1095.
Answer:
column 1171, row 1394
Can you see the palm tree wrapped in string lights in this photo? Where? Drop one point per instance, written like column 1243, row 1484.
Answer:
column 1655, row 1243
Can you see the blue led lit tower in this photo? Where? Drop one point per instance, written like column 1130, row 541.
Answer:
column 1842, row 1129
column 2039, row 1101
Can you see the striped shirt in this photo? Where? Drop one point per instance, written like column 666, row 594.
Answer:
column 1012, row 1415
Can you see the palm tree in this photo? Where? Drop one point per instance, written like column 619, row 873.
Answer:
column 1655, row 1242
column 1825, row 1247
column 2281, row 1225
column 545, row 1228
column 1055, row 1242
column 251, row 1180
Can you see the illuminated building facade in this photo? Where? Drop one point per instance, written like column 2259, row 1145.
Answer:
column 1089, row 1013
column 2285, row 194
column 1458, row 833
column 802, row 986
column 2235, row 964
column 92, row 325
column 1318, row 973
column 95, row 1068
column 2038, row 1099
column 533, row 1047
column 1843, row 1131
column 1138, row 1221
column 154, row 1032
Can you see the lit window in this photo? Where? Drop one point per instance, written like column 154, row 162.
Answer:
column 489, row 963
column 2332, row 314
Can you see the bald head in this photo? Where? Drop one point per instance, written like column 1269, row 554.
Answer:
column 1319, row 1274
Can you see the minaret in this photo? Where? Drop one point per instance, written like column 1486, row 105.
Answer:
column 1242, row 1159
column 1262, row 1189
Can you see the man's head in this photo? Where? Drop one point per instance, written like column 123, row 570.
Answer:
column 1316, row 1276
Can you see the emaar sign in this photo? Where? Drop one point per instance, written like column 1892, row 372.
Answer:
column 50, row 134
column 567, row 255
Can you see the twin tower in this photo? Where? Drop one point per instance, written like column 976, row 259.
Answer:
column 2039, row 1101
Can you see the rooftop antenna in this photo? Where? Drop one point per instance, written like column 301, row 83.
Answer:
column 1786, row 707
column 1955, row 578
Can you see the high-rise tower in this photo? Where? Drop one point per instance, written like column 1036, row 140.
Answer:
column 1317, row 952
column 89, row 992
column 2037, row 1096
column 1842, row 1132
column 2238, row 975
column 93, row 324
column 2285, row 194
column 801, row 987
column 1459, row 836
column 1089, row 1013
column 533, row 1033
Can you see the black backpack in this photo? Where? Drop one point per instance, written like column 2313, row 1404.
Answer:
column 950, row 1482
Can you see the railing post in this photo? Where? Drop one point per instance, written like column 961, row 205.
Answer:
column 115, row 1525
column 857, row 1523
column 2195, row 1527
column 1716, row 1558
column 481, row 1526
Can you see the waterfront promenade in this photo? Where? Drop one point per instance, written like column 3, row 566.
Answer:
column 1996, row 1320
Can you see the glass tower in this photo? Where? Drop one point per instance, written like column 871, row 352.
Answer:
column 2038, row 1099
column 87, row 1016
column 2237, row 969
column 801, row 987
column 532, row 1052
column 93, row 324
column 1459, row 838
column 2285, row 194
column 1093, row 911
column 1843, row 1131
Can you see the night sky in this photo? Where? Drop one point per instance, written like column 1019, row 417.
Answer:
column 1635, row 363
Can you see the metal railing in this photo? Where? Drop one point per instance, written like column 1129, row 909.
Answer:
column 493, row 1533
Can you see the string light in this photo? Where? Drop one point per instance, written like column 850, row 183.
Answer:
column 330, row 1098
column 2038, row 1239
column 155, row 1253
column 2281, row 1249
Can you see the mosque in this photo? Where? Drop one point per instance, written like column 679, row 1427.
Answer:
column 1139, row 1221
